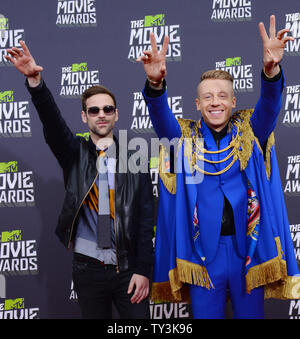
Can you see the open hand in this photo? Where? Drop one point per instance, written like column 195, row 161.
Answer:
column 273, row 46
column 24, row 61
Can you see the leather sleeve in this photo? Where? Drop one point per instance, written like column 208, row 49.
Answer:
column 57, row 134
column 145, row 250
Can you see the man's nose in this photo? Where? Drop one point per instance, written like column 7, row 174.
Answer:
column 215, row 101
column 101, row 113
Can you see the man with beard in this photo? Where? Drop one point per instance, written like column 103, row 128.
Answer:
column 107, row 214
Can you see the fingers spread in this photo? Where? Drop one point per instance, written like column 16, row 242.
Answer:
column 153, row 43
column 17, row 51
column 165, row 45
column 263, row 32
column 12, row 53
column 24, row 47
column 272, row 27
column 7, row 57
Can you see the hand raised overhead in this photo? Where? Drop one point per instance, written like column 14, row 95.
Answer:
column 273, row 46
column 24, row 61
column 154, row 61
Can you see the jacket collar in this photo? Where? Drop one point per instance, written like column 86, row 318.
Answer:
column 92, row 146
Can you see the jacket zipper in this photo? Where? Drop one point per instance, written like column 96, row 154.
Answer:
column 115, row 228
column 69, row 244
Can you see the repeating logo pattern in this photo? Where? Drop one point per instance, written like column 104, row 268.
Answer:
column 139, row 39
column 231, row 10
column 241, row 73
column 14, row 116
column 16, row 187
column 9, row 37
column 79, row 13
column 75, row 79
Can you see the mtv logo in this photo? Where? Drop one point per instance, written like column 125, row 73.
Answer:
column 79, row 67
column 155, row 20
column 14, row 304
column 85, row 135
column 9, row 167
column 7, row 96
column 11, row 236
column 3, row 23
column 237, row 61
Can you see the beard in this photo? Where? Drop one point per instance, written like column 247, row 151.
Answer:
column 102, row 132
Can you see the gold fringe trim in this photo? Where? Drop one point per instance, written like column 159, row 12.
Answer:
column 273, row 275
column 268, row 272
column 241, row 119
column 185, row 125
column 249, row 138
column 161, row 292
column 271, row 271
column 175, row 289
column 168, row 179
column 270, row 144
column 186, row 133
column 287, row 289
column 192, row 273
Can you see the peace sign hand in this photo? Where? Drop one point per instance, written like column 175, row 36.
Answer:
column 273, row 46
column 154, row 61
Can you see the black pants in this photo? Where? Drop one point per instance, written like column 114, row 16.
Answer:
column 97, row 286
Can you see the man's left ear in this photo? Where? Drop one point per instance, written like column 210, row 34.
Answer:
column 234, row 102
column 117, row 115
column 83, row 117
column 197, row 102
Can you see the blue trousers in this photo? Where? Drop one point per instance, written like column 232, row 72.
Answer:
column 226, row 273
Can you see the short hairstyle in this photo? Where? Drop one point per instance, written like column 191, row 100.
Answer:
column 96, row 89
column 216, row 74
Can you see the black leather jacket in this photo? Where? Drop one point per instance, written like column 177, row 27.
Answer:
column 133, row 191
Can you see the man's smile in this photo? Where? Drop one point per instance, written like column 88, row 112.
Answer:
column 216, row 112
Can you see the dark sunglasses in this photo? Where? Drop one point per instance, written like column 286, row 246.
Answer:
column 107, row 109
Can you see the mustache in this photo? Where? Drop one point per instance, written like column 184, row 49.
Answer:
column 101, row 120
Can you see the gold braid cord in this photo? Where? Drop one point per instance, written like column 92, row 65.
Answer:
column 241, row 147
column 241, row 144
column 234, row 144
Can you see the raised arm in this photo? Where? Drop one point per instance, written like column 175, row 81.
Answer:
column 163, row 120
column 155, row 62
column 268, row 107
column 25, row 63
column 57, row 134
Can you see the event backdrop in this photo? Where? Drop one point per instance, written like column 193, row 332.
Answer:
column 84, row 42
